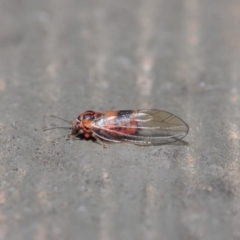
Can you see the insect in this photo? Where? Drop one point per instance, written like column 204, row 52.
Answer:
column 141, row 127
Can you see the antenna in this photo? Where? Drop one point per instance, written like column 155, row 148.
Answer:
column 61, row 119
column 46, row 129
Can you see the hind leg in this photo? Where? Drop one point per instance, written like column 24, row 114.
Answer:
column 99, row 141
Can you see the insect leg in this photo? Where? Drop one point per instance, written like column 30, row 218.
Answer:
column 99, row 141
column 71, row 137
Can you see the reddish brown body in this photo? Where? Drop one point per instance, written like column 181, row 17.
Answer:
column 142, row 127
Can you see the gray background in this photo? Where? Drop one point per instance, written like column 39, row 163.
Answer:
column 67, row 56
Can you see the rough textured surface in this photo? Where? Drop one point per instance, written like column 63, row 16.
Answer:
column 67, row 56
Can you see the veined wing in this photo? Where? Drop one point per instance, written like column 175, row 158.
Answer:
column 142, row 127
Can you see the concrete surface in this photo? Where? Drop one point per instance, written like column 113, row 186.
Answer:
column 67, row 56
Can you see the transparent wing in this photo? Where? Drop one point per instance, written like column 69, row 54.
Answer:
column 142, row 127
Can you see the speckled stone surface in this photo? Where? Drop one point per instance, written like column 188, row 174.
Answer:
column 67, row 56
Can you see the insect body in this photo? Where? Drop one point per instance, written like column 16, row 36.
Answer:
column 141, row 127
